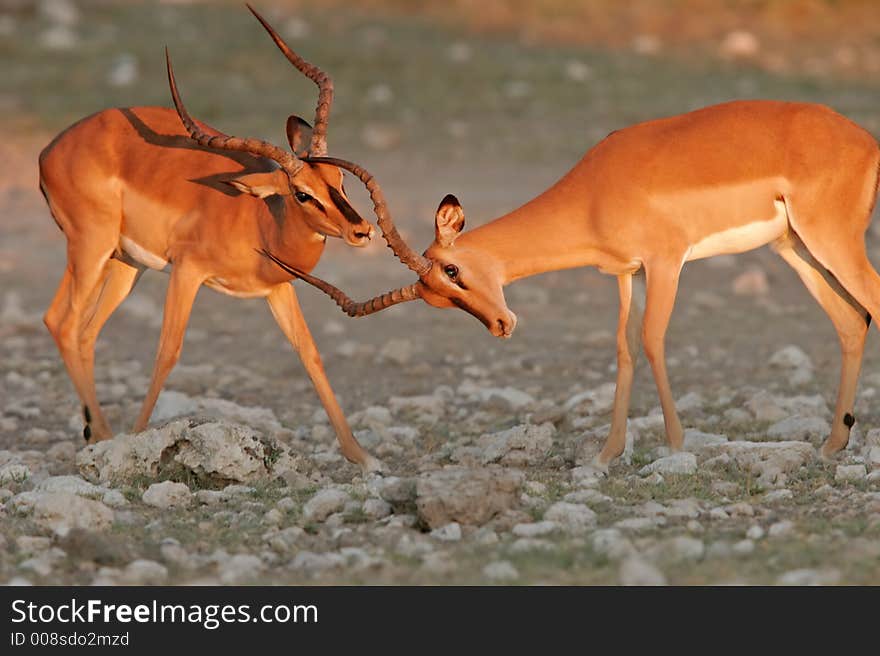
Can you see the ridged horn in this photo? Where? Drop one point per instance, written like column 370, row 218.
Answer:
column 288, row 162
column 415, row 261
column 318, row 146
column 350, row 307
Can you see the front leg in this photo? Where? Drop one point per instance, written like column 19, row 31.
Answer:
column 662, row 285
column 287, row 312
column 628, row 327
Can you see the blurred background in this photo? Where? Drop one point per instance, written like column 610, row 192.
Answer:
column 492, row 100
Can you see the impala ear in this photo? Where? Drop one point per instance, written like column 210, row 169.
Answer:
column 262, row 185
column 295, row 127
column 449, row 221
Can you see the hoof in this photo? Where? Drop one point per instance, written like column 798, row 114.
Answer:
column 373, row 465
column 600, row 466
column 826, row 453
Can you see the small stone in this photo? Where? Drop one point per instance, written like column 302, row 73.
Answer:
column 636, row 571
column 850, row 473
column 145, row 572
column 610, row 542
column 677, row 463
column 782, row 494
column 376, row 508
column 273, row 517
column 571, row 517
column 449, row 533
column 167, row 494
column 63, row 511
column 396, row 350
column 743, row 547
column 324, row 503
column 755, row 532
column 534, row 529
column 500, row 570
column 240, row 568
column 781, row 529
column 802, row 577
column 114, row 499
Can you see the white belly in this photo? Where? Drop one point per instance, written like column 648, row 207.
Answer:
column 742, row 238
column 141, row 255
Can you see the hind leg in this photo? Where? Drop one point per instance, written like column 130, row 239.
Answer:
column 119, row 280
column 65, row 317
column 850, row 321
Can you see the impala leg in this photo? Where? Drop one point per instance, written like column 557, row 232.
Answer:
column 628, row 325
column 287, row 312
column 662, row 285
column 851, row 323
column 119, row 279
column 64, row 319
column 182, row 290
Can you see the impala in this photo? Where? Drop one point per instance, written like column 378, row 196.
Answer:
column 133, row 189
column 651, row 197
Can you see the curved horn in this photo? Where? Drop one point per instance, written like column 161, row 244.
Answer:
column 288, row 162
column 318, row 146
column 415, row 261
column 350, row 307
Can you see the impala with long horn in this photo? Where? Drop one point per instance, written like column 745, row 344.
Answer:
column 648, row 199
column 150, row 188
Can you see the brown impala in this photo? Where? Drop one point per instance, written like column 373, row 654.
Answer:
column 133, row 190
column 648, row 199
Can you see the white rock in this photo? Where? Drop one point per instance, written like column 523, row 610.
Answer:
column 124, row 70
column 802, row 577
column 783, row 494
column 873, row 457
column 611, row 543
column 72, row 485
column 743, row 547
column 500, row 570
column 449, row 533
column 534, row 529
column 145, row 572
column 519, row 446
column 510, row 397
column 592, row 402
column 850, row 473
column 324, row 503
column 62, row 511
column 791, row 357
column 397, row 350
column 213, row 451
column 695, row 440
column 677, row 463
column 376, row 508
column 240, row 568
column 167, row 494
column 781, row 529
column 636, row 571
column 114, row 499
column 755, row 532
column 571, row 517
column 684, row 548
column 874, row 477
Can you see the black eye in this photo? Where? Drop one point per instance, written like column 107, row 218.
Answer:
column 302, row 197
column 451, row 270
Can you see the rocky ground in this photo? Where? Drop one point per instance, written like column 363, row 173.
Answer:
column 487, row 443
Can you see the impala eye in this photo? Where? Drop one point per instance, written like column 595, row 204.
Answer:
column 451, row 270
column 302, row 197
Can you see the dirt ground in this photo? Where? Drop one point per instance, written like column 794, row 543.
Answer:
column 494, row 121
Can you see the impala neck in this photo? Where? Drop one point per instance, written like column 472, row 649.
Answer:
column 287, row 236
column 551, row 232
